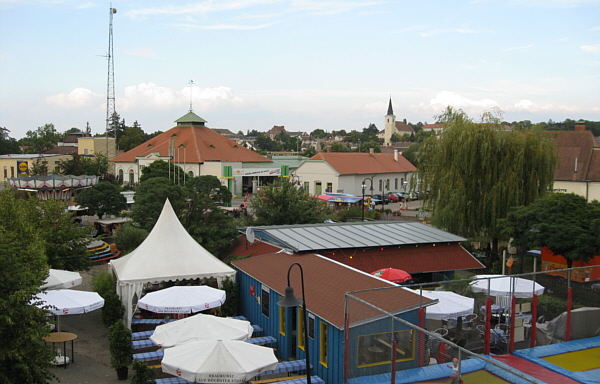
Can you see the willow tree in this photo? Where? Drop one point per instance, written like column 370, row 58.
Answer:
column 477, row 171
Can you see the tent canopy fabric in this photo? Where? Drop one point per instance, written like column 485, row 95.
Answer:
column 450, row 305
column 168, row 253
column 59, row 279
column 183, row 299
column 201, row 327
column 500, row 285
column 218, row 361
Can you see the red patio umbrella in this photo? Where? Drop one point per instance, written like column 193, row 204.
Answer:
column 394, row 275
column 324, row 197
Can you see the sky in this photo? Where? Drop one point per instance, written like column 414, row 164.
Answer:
column 305, row 64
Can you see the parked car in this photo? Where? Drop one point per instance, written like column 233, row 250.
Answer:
column 394, row 197
column 404, row 196
column 381, row 199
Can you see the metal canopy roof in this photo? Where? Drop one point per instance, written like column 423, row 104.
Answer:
column 314, row 237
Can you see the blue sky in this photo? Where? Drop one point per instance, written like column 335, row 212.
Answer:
column 304, row 64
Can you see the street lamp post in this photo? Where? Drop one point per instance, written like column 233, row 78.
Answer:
column 363, row 186
column 291, row 301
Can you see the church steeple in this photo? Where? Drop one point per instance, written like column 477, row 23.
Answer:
column 390, row 125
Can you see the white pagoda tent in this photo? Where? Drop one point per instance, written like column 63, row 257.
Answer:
column 169, row 253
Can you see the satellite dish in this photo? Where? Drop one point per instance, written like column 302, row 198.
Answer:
column 250, row 235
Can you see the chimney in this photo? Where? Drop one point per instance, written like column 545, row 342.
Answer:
column 580, row 126
column 371, row 151
column 396, row 155
column 328, row 148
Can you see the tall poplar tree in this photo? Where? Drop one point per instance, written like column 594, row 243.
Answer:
column 476, row 172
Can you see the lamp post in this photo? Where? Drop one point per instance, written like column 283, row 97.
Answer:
column 291, row 301
column 363, row 186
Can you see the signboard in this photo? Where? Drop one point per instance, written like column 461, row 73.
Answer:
column 22, row 167
column 257, row 172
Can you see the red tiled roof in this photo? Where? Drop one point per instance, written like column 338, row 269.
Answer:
column 579, row 154
column 245, row 249
column 62, row 150
column 201, row 144
column 325, row 283
column 364, row 163
column 412, row 259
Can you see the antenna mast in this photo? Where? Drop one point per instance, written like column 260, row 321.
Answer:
column 191, row 83
column 110, row 88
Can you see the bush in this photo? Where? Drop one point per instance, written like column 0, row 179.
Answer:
column 112, row 310
column 104, row 284
column 121, row 349
column 232, row 303
column 143, row 374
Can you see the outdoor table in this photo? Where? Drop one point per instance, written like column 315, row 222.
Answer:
column 62, row 337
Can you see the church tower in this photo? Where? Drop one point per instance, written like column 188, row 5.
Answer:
column 390, row 125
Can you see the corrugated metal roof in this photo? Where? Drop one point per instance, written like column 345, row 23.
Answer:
column 314, row 237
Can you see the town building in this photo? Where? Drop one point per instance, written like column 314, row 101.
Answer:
column 343, row 341
column 346, row 172
column 199, row 150
column 578, row 169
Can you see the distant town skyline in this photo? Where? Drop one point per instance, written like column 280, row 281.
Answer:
column 302, row 64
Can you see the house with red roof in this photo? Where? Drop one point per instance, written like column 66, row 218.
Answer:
column 578, row 170
column 199, row 151
column 343, row 340
column 344, row 172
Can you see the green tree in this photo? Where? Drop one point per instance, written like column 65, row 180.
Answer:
column 41, row 140
column 24, row 359
column 103, row 198
column 65, row 242
column 128, row 237
column 203, row 220
column 309, row 152
column 150, row 197
column 8, row 145
column 319, row 134
column 476, row 172
column 160, row 168
column 567, row 224
column 79, row 165
column 39, row 168
column 339, row 147
column 287, row 204
column 132, row 137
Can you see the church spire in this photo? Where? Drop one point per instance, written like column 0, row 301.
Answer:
column 390, row 109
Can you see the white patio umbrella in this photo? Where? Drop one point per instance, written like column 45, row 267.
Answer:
column 218, row 361
column 501, row 285
column 59, row 279
column 182, row 299
column 201, row 327
column 450, row 305
column 69, row 302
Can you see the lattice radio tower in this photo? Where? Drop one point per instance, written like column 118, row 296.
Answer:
column 110, row 87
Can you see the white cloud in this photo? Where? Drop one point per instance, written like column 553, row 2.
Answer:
column 591, row 48
column 77, row 98
column 524, row 104
column 446, row 98
column 151, row 96
column 522, row 48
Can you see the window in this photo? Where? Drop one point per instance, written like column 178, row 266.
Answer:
column 396, row 184
column 282, row 318
column 380, row 185
column 306, row 186
column 301, row 328
column 376, row 349
column 323, row 344
column 265, row 301
column 131, row 178
column 329, row 187
column 311, row 326
column 5, row 172
column 121, row 175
